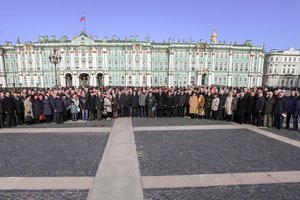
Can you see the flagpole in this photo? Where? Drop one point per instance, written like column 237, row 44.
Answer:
column 84, row 24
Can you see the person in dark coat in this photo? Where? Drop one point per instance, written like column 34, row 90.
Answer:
column 169, row 104
column 280, row 110
column 37, row 108
column 160, row 101
column 99, row 105
column 176, row 103
column 251, row 109
column 242, row 108
column 208, row 100
column 47, row 109
column 9, row 109
column 181, row 104
column 135, row 104
column 269, row 110
column 126, row 104
column 221, row 109
column 187, row 103
column 58, row 109
column 259, row 108
column 1, row 109
column 91, row 106
column 297, row 111
column 121, row 101
column 291, row 106
column 150, row 103
column 19, row 118
column 84, row 105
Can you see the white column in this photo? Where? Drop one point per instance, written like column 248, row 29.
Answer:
column 106, row 81
column 94, row 58
column 189, row 68
column 171, row 68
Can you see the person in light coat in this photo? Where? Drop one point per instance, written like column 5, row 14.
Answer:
column 194, row 101
column 201, row 105
column 215, row 106
column 228, row 106
column 28, row 107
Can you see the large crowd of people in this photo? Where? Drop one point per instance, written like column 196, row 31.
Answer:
column 257, row 106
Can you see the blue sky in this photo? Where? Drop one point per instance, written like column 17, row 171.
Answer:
column 276, row 23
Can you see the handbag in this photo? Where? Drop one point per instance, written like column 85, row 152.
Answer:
column 42, row 117
column 28, row 118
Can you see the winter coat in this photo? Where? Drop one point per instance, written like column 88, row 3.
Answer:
column 260, row 104
column 187, row 99
column 176, row 99
column 161, row 98
column 135, row 100
column 242, row 106
column 58, row 105
column 170, row 101
column 18, row 105
column 270, row 105
column 8, row 105
column 37, row 108
column 208, row 100
column 73, row 108
column 235, row 101
column 215, row 104
column 127, row 101
column 251, row 104
column 142, row 99
column 297, row 109
column 182, row 99
column 91, row 103
column 47, row 110
column 1, row 106
column 193, row 102
column 281, row 106
column 114, row 104
column 228, row 105
column 107, row 105
column 222, row 98
column 291, row 104
column 28, row 108
column 201, row 104
column 99, row 103
column 150, row 101
column 84, row 103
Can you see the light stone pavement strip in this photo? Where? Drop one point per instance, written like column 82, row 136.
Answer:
column 57, row 130
column 118, row 175
column 45, row 183
column 205, row 180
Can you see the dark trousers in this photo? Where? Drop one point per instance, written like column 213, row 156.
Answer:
column 228, row 117
column 241, row 119
column 215, row 114
column 48, row 118
column 251, row 119
column 181, row 111
column 58, row 116
column 278, row 121
column 1, row 120
column 175, row 111
column 259, row 118
column 169, row 112
column 125, row 112
column 187, row 110
column 221, row 115
column 99, row 114
column 8, row 119
column 288, row 119
column 160, row 112
column 207, row 113
column 143, row 111
column 92, row 115
column 135, row 111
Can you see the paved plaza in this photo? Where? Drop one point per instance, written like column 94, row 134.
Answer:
column 151, row 159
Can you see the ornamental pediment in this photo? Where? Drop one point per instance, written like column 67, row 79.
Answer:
column 82, row 40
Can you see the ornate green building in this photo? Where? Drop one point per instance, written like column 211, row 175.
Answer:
column 86, row 60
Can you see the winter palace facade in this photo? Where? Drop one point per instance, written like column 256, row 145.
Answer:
column 86, row 60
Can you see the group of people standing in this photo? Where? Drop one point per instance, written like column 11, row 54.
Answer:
column 257, row 106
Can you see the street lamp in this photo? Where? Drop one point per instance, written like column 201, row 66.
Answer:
column 55, row 59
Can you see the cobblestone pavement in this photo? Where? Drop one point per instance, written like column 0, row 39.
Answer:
column 42, row 154
column 267, row 192
column 68, row 124
column 43, row 194
column 211, row 152
column 294, row 135
column 174, row 121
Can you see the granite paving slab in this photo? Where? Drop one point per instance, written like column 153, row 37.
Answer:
column 42, row 154
column 43, row 194
column 212, row 152
column 289, row 133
